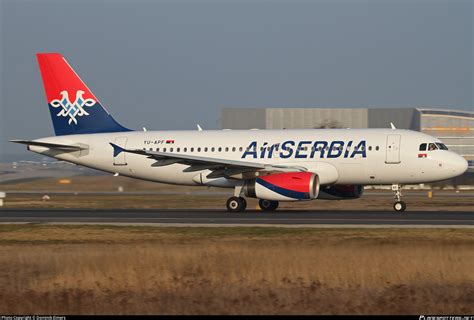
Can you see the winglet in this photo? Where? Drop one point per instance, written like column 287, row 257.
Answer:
column 117, row 149
column 392, row 126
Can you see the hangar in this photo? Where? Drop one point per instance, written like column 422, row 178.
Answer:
column 454, row 127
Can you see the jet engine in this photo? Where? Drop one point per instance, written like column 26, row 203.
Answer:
column 341, row 192
column 288, row 186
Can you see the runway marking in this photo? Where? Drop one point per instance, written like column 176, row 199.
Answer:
column 216, row 225
column 236, row 219
column 207, row 217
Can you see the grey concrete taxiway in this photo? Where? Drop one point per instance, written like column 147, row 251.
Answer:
column 205, row 217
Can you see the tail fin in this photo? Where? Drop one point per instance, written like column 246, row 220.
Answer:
column 74, row 108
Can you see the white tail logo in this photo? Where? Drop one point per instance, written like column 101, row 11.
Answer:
column 72, row 110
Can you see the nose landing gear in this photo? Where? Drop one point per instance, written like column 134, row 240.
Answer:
column 399, row 205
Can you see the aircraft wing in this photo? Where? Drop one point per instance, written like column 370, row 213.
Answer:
column 62, row 147
column 219, row 167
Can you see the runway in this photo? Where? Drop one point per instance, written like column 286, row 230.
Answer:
column 206, row 217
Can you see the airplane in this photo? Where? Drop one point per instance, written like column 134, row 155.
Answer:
column 270, row 165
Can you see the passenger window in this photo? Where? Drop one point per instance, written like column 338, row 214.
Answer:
column 240, row 149
column 205, row 149
column 177, row 150
column 377, row 148
column 192, row 149
column 164, row 149
column 233, row 149
column 423, row 147
column 199, row 149
column 226, row 149
column 212, row 149
column 220, row 149
column 370, row 148
column 185, row 149
column 432, row 147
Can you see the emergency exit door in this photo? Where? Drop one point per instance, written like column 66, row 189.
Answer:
column 120, row 160
column 393, row 149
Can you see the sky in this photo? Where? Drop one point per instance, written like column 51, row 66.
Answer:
column 171, row 64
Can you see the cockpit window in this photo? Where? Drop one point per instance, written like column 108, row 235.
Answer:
column 442, row 146
column 432, row 147
column 423, row 147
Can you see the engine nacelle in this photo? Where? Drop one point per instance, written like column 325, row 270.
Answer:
column 288, row 186
column 341, row 192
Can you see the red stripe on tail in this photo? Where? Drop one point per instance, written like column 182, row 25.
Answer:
column 59, row 76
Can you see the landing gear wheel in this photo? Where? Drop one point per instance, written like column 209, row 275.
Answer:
column 399, row 206
column 268, row 205
column 236, row 204
column 244, row 201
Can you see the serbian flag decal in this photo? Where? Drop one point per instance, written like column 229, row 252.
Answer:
column 422, row 155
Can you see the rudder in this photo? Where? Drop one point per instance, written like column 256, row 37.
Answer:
column 74, row 108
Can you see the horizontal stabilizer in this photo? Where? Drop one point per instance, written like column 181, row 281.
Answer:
column 62, row 147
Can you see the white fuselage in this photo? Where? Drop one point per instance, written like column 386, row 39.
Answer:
column 386, row 156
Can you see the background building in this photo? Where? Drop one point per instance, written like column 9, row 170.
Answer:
column 454, row 128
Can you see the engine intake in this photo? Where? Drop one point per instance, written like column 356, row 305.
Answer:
column 288, row 186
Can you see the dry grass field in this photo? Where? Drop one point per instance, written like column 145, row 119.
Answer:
column 148, row 270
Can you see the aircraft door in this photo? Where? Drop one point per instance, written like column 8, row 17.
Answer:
column 393, row 149
column 120, row 160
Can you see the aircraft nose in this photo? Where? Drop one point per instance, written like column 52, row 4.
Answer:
column 462, row 165
column 458, row 165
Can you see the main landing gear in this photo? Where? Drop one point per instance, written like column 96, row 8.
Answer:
column 268, row 205
column 239, row 204
column 236, row 204
column 399, row 205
